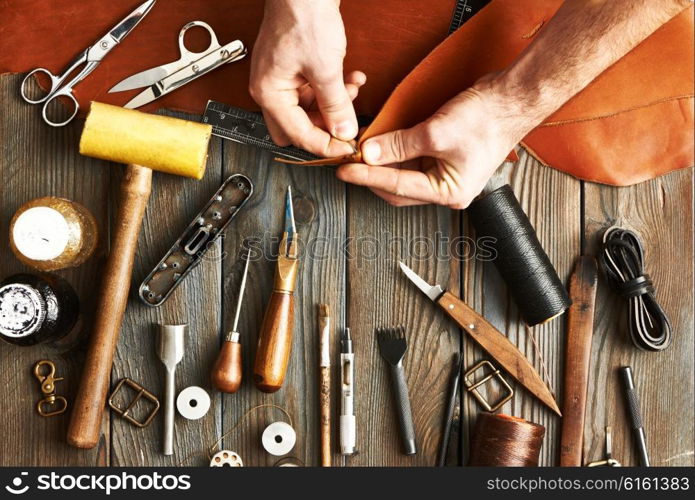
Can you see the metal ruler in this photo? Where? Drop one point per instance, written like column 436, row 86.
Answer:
column 464, row 10
column 246, row 127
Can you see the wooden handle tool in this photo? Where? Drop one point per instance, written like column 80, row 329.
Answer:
column 325, row 383
column 489, row 338
column 85, row 424
column 227, row 372
column 275, row 337
column 142, row 141
column 580, row 329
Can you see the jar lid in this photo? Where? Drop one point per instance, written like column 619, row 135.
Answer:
column 22, row 310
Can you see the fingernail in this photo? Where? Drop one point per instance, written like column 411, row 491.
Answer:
column 345, row 130
column 371, row 152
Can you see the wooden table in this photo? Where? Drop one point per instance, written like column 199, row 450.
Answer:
column 356, row 242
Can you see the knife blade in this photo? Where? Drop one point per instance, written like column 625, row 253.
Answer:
column 488, row 337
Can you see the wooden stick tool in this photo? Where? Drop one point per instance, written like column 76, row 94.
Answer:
column 226, row 374
column 488, row 337
column 143, row 142
column 580, row 330
column 275, row 337
column 325, row 383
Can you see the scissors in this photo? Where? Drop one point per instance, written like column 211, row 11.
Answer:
column 169, row 77
column 90, row 58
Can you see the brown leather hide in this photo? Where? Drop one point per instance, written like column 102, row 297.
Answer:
column 634, row 122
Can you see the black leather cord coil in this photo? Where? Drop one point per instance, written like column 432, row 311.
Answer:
column 521, row 260
column 622, row 259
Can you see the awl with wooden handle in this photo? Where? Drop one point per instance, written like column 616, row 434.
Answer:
column 488, row 337
column 275, row 337
column 227, row 372
column 580, row 330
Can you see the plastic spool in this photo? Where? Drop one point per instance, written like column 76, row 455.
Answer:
column 193, row 403
column 226, row 458
column 278, row 438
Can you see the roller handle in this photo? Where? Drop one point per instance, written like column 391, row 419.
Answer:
column 274, row 342
column 226, row 374
column 85, row 423
column 405, row 416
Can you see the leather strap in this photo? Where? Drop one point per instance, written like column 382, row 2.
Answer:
column 623, row 261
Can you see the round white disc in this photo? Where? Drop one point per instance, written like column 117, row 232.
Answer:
column 193, row 403
column 278, row 438
column 41, row 233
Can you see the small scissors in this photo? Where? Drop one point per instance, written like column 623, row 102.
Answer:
column 90, row 57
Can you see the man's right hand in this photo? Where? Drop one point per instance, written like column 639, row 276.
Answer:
column 297, row 76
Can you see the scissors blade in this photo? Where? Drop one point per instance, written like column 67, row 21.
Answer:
column 148, row 77
column 121, row 30
column 145, row 97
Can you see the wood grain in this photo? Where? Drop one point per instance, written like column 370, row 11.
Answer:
column 661, row 212
column 37, row 160
column 345, row 232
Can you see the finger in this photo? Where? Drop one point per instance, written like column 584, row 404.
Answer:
column 276, row 133
column 399, row 146
column 404, row 183
column 335, row 105
column 295, row 123
column 353, row 81
column 396, row 201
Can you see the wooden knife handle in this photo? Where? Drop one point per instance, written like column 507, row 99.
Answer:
column 85, row 423
column 274, row 342
column 580, row 328
column 226, row 374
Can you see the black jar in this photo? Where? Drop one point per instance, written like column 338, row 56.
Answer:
column 36, row 309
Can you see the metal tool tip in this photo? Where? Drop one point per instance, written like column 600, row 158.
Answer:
column 345, row 334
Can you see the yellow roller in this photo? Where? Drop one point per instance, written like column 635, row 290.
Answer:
column 162, row 143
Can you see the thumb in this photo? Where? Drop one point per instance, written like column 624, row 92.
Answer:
column 397, row 146
column 335, row 104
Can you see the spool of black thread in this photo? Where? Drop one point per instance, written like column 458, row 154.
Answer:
column 521, row 260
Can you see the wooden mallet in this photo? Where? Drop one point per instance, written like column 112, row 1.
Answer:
column 143, row 142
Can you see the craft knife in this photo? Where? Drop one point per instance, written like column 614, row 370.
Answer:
column 488, row 337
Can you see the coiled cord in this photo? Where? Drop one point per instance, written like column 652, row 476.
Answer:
column 622, row 259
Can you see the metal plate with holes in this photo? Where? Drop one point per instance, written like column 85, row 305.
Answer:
column 190, row 248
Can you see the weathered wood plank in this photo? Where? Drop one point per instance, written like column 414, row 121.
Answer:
column 319, row 203
column 551, row 200
column 380, row 295
column 196, row 302
column 660, row 211
column 37, row 160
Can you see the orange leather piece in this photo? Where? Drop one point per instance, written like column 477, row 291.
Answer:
column 634, row 122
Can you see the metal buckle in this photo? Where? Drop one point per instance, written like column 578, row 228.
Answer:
column 472, row 385
column 45, row 406
column 141, row 393
column 609, row 461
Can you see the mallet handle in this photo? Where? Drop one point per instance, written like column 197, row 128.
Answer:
column 85, row 423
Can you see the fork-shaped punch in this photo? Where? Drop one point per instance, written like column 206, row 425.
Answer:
column 392, row 345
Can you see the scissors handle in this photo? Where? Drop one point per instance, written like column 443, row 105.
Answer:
column 188, row 54
column 55, row 82
column 66, row 93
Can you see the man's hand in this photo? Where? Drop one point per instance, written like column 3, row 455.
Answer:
column 445, row 160
column 448, row 158
column 297, row 76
